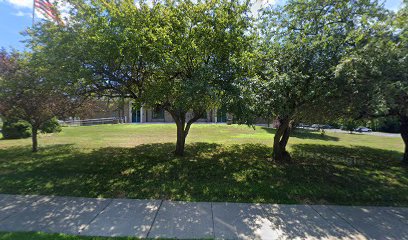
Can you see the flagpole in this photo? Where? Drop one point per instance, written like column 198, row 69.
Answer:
column 33, row 12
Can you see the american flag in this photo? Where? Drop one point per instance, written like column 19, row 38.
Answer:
column 47, row 9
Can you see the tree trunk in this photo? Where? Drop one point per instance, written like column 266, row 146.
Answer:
column 281, row 140
column 182, row 129
column 181, row 139
column 34, row 132
column 404, row 135
column 180, row 119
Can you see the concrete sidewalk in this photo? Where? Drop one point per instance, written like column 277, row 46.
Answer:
column 168, row 219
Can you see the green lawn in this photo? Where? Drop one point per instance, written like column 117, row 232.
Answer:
column 222, row 163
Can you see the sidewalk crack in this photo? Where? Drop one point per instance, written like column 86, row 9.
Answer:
column 89, row 223
column 154, row 219
column 345, row 220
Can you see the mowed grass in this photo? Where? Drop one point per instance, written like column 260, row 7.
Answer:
column 130, row 135
column 222, row 163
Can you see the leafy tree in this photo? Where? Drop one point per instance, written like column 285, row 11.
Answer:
column 389, row 124
column 27, row 93
column 202, row 57
column 376, row 74
column 179, row 56
column 349, row 124
column 302, row 43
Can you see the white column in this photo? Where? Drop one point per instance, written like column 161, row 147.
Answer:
column 130, row 111
column 141, row 114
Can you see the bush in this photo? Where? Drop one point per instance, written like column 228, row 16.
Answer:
column 51, row 126
column 16, row 129
column 388, row 124
column 349, row 124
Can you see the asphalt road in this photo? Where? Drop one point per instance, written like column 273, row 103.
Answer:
column 382, row 134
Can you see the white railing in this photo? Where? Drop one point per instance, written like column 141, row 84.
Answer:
column 96, row 121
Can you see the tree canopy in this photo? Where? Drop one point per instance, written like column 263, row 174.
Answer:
column 301, row 61
column 301, row 43
column 29, row 92
column 179, row 56
column 376, row 73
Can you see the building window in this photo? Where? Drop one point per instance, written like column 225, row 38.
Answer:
column 158, row 114
column 221, row 115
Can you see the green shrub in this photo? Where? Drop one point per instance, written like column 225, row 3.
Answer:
column 387, row 124
column 16, row 129
column 349, row 124
column 51, row 126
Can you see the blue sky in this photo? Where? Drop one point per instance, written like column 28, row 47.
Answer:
column 16, row 15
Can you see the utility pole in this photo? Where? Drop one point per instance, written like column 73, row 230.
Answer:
column 33, row 12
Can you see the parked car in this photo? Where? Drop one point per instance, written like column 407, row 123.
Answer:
column 363, row 129
column 302, row 125
column 315, row 126
column 321, row 126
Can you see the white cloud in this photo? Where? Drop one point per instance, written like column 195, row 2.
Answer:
column 29, row 3
column 23, row 14
column 21, row 3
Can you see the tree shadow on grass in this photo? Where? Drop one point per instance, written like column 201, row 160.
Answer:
column 354, row 175
column 353, row 156
column 305, row 134
column 213, row 172
column 209, row 172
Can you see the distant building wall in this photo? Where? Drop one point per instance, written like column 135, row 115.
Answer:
column 132, row 113
column 150, row 115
